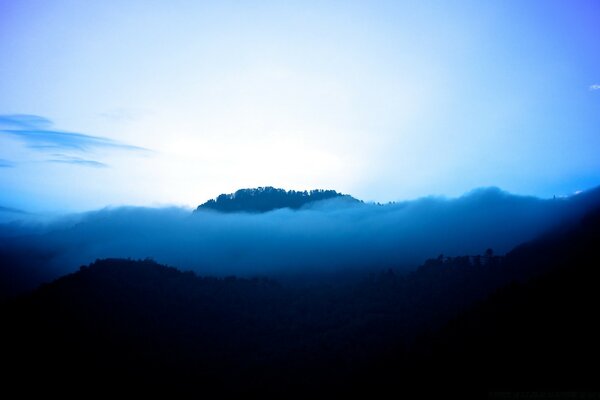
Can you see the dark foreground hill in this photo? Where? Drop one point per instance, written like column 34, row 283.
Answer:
column 147, row 326
column 268, row 198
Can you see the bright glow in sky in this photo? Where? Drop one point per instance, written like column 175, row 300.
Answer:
column 175, row 101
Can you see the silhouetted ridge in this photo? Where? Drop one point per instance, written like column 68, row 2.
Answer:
column 387, row 332
column 268, row 198
column 535, row 333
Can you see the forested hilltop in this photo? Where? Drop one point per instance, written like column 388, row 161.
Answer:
column 268, row 198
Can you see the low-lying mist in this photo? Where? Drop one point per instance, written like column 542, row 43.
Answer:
column 326, row 237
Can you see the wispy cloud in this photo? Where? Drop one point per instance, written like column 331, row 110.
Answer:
column 6, row 164
column 64, row 159
column 36, row 133
column 595, row 87
column 24, row 121
column 125, row 114
column 51, row 139
column 12, row 210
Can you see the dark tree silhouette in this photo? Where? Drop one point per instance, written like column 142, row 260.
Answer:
column 522, row 321
column 265, row 199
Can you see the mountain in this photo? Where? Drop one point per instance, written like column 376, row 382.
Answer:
column 535, row 333
column 321, row 238
column 264, row 199
column 522, row 321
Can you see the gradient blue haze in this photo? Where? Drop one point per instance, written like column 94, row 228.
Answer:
column 383, row 100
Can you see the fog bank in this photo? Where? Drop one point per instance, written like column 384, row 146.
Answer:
column 325, row 237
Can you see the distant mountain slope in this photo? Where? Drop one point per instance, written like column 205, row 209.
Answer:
column 268, row 198
column 364, row 238
column 540, row 334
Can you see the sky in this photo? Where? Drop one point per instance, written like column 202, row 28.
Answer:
column 174, row 102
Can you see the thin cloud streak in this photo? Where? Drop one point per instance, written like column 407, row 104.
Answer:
column 25, row 121
column 63, row 159
column 32, row 130
column 12, row 210
column 6, row 164
column 50, row 139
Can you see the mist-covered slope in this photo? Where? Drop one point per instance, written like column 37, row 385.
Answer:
column 132, row 323
column 327, row 237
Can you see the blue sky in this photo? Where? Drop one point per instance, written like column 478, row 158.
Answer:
column 149, row 103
